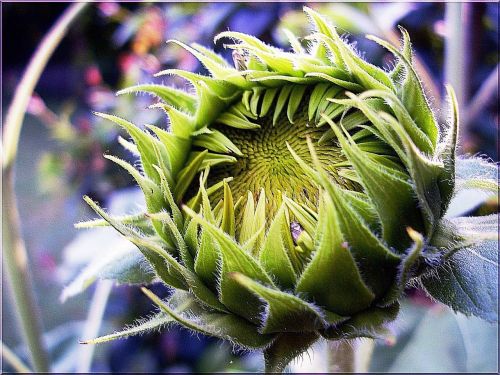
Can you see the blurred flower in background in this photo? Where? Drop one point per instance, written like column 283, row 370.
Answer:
column 116, row 45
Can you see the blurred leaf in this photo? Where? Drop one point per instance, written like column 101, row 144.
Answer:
column 481, row 343
column 438, row 341
column 470, row 194
column 388, row 15
column 122, row 261
column 435, row 346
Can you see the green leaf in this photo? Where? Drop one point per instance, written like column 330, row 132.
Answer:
column 213, row 63
column 294, row 41
column 368, row 323
column 315, row 98
column 181, row 124
column 268, row 101
column 295, row 99
column 282, row 99
column 235, row 121
column 412, row 93
column 169, row 198
column 210, row 53
column 174, row 233
column 191, row 237
column 304, row 217
column 333, row 265
column 169, row 95
column 365, row 73
column 247, row 224
column 376, row 262
column 425, row 176
column 259, row 221
column 353, row 86
column 406, row 269
column 206, row 259
column 225, row 326
column 285, row 348
column 397, row 73
column 391, row 195
column 406, row 122
column 234, row 259
column 216, row 141
column 154, row 323
column 143, row 141
column 177, row 148
column 186, row 176
column 254, row 102
column 286, row 312
column 371, row 109
column 165, row 265
column 152, row 194
column 228, row 220
column 468, row 281
column 223, row 90
column 274, row 256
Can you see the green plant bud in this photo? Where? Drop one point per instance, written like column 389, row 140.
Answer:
column 293, row 195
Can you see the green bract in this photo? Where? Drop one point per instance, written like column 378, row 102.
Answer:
column 294, row 196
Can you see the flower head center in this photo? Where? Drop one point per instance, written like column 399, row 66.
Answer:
column 267, row 163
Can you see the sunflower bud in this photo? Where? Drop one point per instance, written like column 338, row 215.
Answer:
column 294, row 195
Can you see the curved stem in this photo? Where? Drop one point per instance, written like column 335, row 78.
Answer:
column 14, row 251
column 17, row 109
column 17, row 272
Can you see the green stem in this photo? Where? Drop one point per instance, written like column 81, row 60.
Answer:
column 364, row 354
column 12, row 359
column 349, row 355
column 17, row 272
column 341, row 356
column 15, row 256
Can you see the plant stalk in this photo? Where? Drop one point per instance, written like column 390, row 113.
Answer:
column 13, row 360
column 15, row 256
column 349, row 355
column 341, row 356
column 93, row 324
column 457, row 64
column 483, row 97
column 17, row 272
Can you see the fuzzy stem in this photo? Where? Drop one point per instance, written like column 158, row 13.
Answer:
column 341, row 356
column 15, row 256
column 349, row 355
